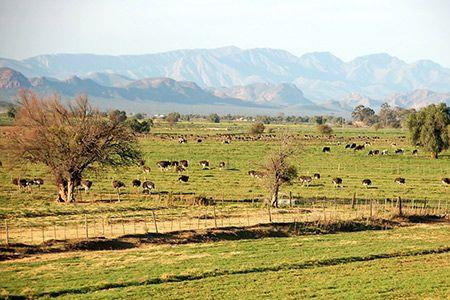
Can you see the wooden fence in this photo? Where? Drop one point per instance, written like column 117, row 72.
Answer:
column 213, row 216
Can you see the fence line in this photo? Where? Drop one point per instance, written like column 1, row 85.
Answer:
column 214, row 216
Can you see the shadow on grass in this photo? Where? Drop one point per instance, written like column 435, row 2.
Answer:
column 259, row 231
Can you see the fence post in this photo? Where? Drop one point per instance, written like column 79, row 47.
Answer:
column 6, row 232
column 353, row 200
column 86, row 226
column 400, row 213
column 290, row 198
column 154, row 221
column 215, row 220
column 65, row 231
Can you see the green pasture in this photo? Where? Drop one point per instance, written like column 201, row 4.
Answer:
column 423, row 174
column 408, row 262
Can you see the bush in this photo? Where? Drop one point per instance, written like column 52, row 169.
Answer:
column 214, row 118
column 140, row 126
column 324, row 129
column 257, row 128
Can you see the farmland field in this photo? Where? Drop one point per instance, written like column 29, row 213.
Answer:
column 408, row 262
column 370, row 264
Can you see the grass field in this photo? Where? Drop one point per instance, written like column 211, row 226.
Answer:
column 423, row 174
column 406, row 262
column 367, row 264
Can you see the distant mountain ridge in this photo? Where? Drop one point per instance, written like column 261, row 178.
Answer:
column 320, row 75
column 110, row 90
column 160, row 90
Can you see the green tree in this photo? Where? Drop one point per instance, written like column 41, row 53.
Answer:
column 429, row 128
column 365, row 115
column 11, row 112
column 118, row 116
column 214, row 118
column 388, row 116
column 140, row 126
column 139, row 116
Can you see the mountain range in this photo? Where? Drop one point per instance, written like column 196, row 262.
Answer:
column 262, row 79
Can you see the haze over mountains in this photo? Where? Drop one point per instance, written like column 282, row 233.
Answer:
column 260, row 78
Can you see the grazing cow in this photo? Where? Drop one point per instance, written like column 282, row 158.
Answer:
column 400, row 180
column 366, row 182
column 337, row 182
column 326, row 149
column 148, row 186
column 359, row 148
column 226, row 141
column 136, row 183
column 183, row 178
column 256, row 174
column 384, row 152
column 163, row 164
column 174, row 163
column 316, row 176
column 184, row 163
column 204, row 164
column 142, row 162
column 415, row 152
column 446, row 181
column 347, row 146
column 376, row 152
column 182, row 140
column 305, row 180
column 221, row 165
column 370, row 152
column 146, row 169
column 86, row 185
column 353, row 146
column 199, row 140
column 399, row 151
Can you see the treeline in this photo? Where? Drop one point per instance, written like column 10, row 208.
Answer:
column 388, row 116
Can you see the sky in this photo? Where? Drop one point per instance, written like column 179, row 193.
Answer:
column 410, row 30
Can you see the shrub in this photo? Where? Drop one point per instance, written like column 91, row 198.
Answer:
column 257, row 128
column 324, row 129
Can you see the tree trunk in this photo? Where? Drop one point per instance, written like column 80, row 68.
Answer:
column 66, row 190
column 434, row 155
column 275, row 197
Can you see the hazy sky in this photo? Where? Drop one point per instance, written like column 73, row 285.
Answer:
column 410, row 30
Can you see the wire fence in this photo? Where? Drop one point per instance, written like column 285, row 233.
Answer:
column 165, row 220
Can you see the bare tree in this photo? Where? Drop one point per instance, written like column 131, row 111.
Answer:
column 69, row 139
column 278, row 170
